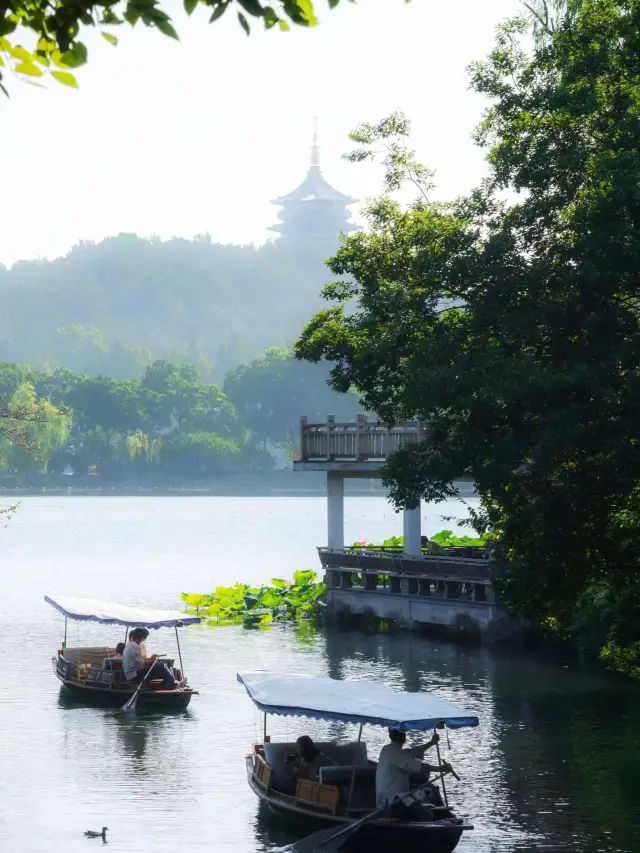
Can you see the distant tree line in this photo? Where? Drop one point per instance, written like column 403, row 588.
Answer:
column 114, row 307
column 166, row 427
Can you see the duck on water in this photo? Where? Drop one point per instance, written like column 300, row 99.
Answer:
column 102, row 834
column 343, row 792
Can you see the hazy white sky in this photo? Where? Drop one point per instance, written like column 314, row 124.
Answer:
column 178, row 139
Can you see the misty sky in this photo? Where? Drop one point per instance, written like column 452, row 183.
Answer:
column 178, row 139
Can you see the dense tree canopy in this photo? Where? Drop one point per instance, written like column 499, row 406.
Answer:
column 58, row 27
column 167, row 426
column 512, row 326
column 273, row 391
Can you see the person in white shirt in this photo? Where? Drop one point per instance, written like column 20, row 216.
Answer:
column 393, row 775
column 135, row 664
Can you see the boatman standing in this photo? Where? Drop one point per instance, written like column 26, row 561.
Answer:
column 393, row 776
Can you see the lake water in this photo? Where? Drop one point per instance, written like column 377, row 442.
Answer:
column 554, row 765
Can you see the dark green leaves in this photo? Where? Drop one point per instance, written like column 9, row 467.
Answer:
column 167, row 29
column 76, row 56
column 514, row 330
column 219, row 10
column 190, row 5
column 252, row 7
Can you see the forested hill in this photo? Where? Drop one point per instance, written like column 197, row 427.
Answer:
column 113, row 307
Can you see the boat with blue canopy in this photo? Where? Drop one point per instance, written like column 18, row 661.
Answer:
column 94, row 674
column 343, row 787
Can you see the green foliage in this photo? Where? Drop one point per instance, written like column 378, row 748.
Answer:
column 512, row 327
column 272, row 391
column 166, row 426
column 59, row 27
column 399, row 161
column 201, row 453
column 443, row 539
column 31, row 430
column 448, row 539
column 623, row 659
column 259, row 607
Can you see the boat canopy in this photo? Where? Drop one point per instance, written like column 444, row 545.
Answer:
column 360, row 702
column 90, row 610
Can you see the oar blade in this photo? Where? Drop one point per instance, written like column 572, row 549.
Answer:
column 329, row 840
column 324, row 841
column 130, row 704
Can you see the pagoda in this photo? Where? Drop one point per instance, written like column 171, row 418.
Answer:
column 314, row 212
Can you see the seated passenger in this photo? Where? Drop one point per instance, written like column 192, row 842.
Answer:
column 393, row 777
column 309, row 760
column 114, row 658
column 135, row 666
column 143, row 634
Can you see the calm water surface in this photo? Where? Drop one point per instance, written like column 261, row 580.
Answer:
column 554, row 765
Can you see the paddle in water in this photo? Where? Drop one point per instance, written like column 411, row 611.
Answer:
column 130, row 704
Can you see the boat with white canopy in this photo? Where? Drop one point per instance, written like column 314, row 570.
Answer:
column 345, row 788
column 94, row 673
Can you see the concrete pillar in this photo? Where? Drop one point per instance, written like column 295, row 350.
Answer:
column 411, row 531
column 335, row 510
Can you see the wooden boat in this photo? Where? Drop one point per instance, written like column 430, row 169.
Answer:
column 92, row 674
column 345, row 791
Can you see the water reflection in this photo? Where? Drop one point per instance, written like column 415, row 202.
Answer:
column 269, row 829
column 132, row 735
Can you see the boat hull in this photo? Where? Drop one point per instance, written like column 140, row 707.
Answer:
column 378, row 834
column 110, row 697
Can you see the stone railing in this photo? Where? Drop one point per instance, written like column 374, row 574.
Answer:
column 359, row 441
column 441, row 577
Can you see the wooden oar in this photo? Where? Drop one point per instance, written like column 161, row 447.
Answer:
column 130, row 704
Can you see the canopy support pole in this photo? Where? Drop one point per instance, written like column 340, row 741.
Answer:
column 264, row 729
column 444, row 789
column 64, row 642
column 353, row 771
column 179, row 653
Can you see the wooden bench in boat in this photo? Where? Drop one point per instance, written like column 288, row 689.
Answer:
column 309, row 793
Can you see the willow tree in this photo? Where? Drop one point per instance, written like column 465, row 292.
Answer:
column 30, row 431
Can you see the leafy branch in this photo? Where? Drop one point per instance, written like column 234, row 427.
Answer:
column 399, row 160
column 58, row 26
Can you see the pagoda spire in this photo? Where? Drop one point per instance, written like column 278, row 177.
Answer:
column 314, row 212
column 315, row 148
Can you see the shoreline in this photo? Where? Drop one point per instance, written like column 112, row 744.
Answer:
column 189, row 491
